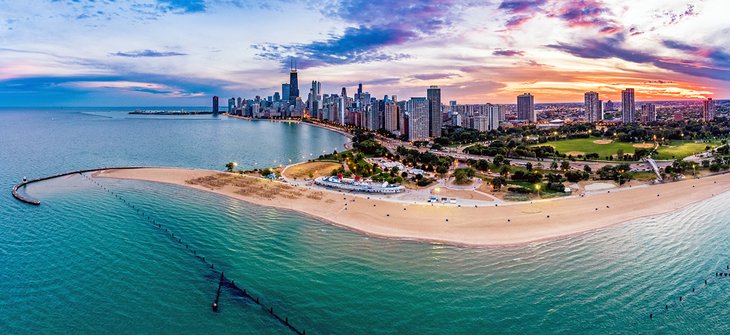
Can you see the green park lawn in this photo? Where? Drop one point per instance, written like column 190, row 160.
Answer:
column 675, row 150
column 681, row 149
column 587, row 145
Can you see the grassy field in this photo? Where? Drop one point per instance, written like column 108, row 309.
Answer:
column 681, row 149
column 643, row 176
column 590, row 145
column 676, row 150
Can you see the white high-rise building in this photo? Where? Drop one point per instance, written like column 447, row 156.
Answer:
column 343, row 106
column 418, row 119
column 628, row 105
column 390, row 115
column 592, row 106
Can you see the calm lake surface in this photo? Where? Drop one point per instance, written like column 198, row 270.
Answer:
column 85, row 263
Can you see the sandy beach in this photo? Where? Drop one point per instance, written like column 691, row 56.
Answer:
column 487, row 225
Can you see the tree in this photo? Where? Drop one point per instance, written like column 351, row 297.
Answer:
column 463, row 175
column 498, row 182
column 620, row 153
column 230, row 166
column 554, row 165
column 528, row 166
column 640, row 153
column 564, row 165
column 576, row 176
column 587, row 168
column 498, row 160
column 481, row 165
column 504, row 171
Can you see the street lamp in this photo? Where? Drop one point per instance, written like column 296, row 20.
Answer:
column 537, row 187
column 694, row 166
column 620, row 172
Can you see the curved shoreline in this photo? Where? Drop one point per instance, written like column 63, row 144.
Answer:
column 313, row 124
column 516, row 224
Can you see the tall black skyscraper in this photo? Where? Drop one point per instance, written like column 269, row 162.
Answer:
column 215, row 104
column 293, row 83
column 435, row 119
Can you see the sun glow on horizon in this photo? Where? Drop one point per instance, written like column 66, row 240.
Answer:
column 183, row 54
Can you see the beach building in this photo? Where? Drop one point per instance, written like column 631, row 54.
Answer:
column 358, row 185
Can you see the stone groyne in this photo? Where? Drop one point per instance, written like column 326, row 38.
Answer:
column 34, row 202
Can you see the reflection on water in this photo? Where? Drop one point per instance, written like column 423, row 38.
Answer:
column 83, row 262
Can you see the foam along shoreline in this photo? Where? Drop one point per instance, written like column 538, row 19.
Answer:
column 486, row 225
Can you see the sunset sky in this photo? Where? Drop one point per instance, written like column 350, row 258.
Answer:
column 165, row 52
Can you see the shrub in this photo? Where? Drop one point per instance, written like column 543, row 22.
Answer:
column 519, row 189
column 424, row 182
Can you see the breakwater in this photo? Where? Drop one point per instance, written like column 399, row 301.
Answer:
column 34, row 202
column 234, row 288
column 694, row 290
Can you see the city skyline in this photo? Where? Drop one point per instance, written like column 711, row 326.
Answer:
column 189, row 51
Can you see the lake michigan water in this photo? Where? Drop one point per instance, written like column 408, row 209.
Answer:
column 85, row 263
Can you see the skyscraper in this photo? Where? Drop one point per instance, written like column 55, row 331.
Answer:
column 215, row 104
column 231, row 105
column 628, row 105
column 435, row 119
column 293, row 84
column 502, row 112
column 526, row 107
column 418, row 119
column 285, row 92
column 314, row 102
column 600, row 110
column 371, row 117
column 708, row 109
column 343, row 106
column 492, row 112
column 359, row 100
column 648, row 112
column 592, row 106
column 390, row 115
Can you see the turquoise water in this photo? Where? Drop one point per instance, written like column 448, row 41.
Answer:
column 84, row 262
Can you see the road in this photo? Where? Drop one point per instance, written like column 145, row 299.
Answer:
column 457, row 153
